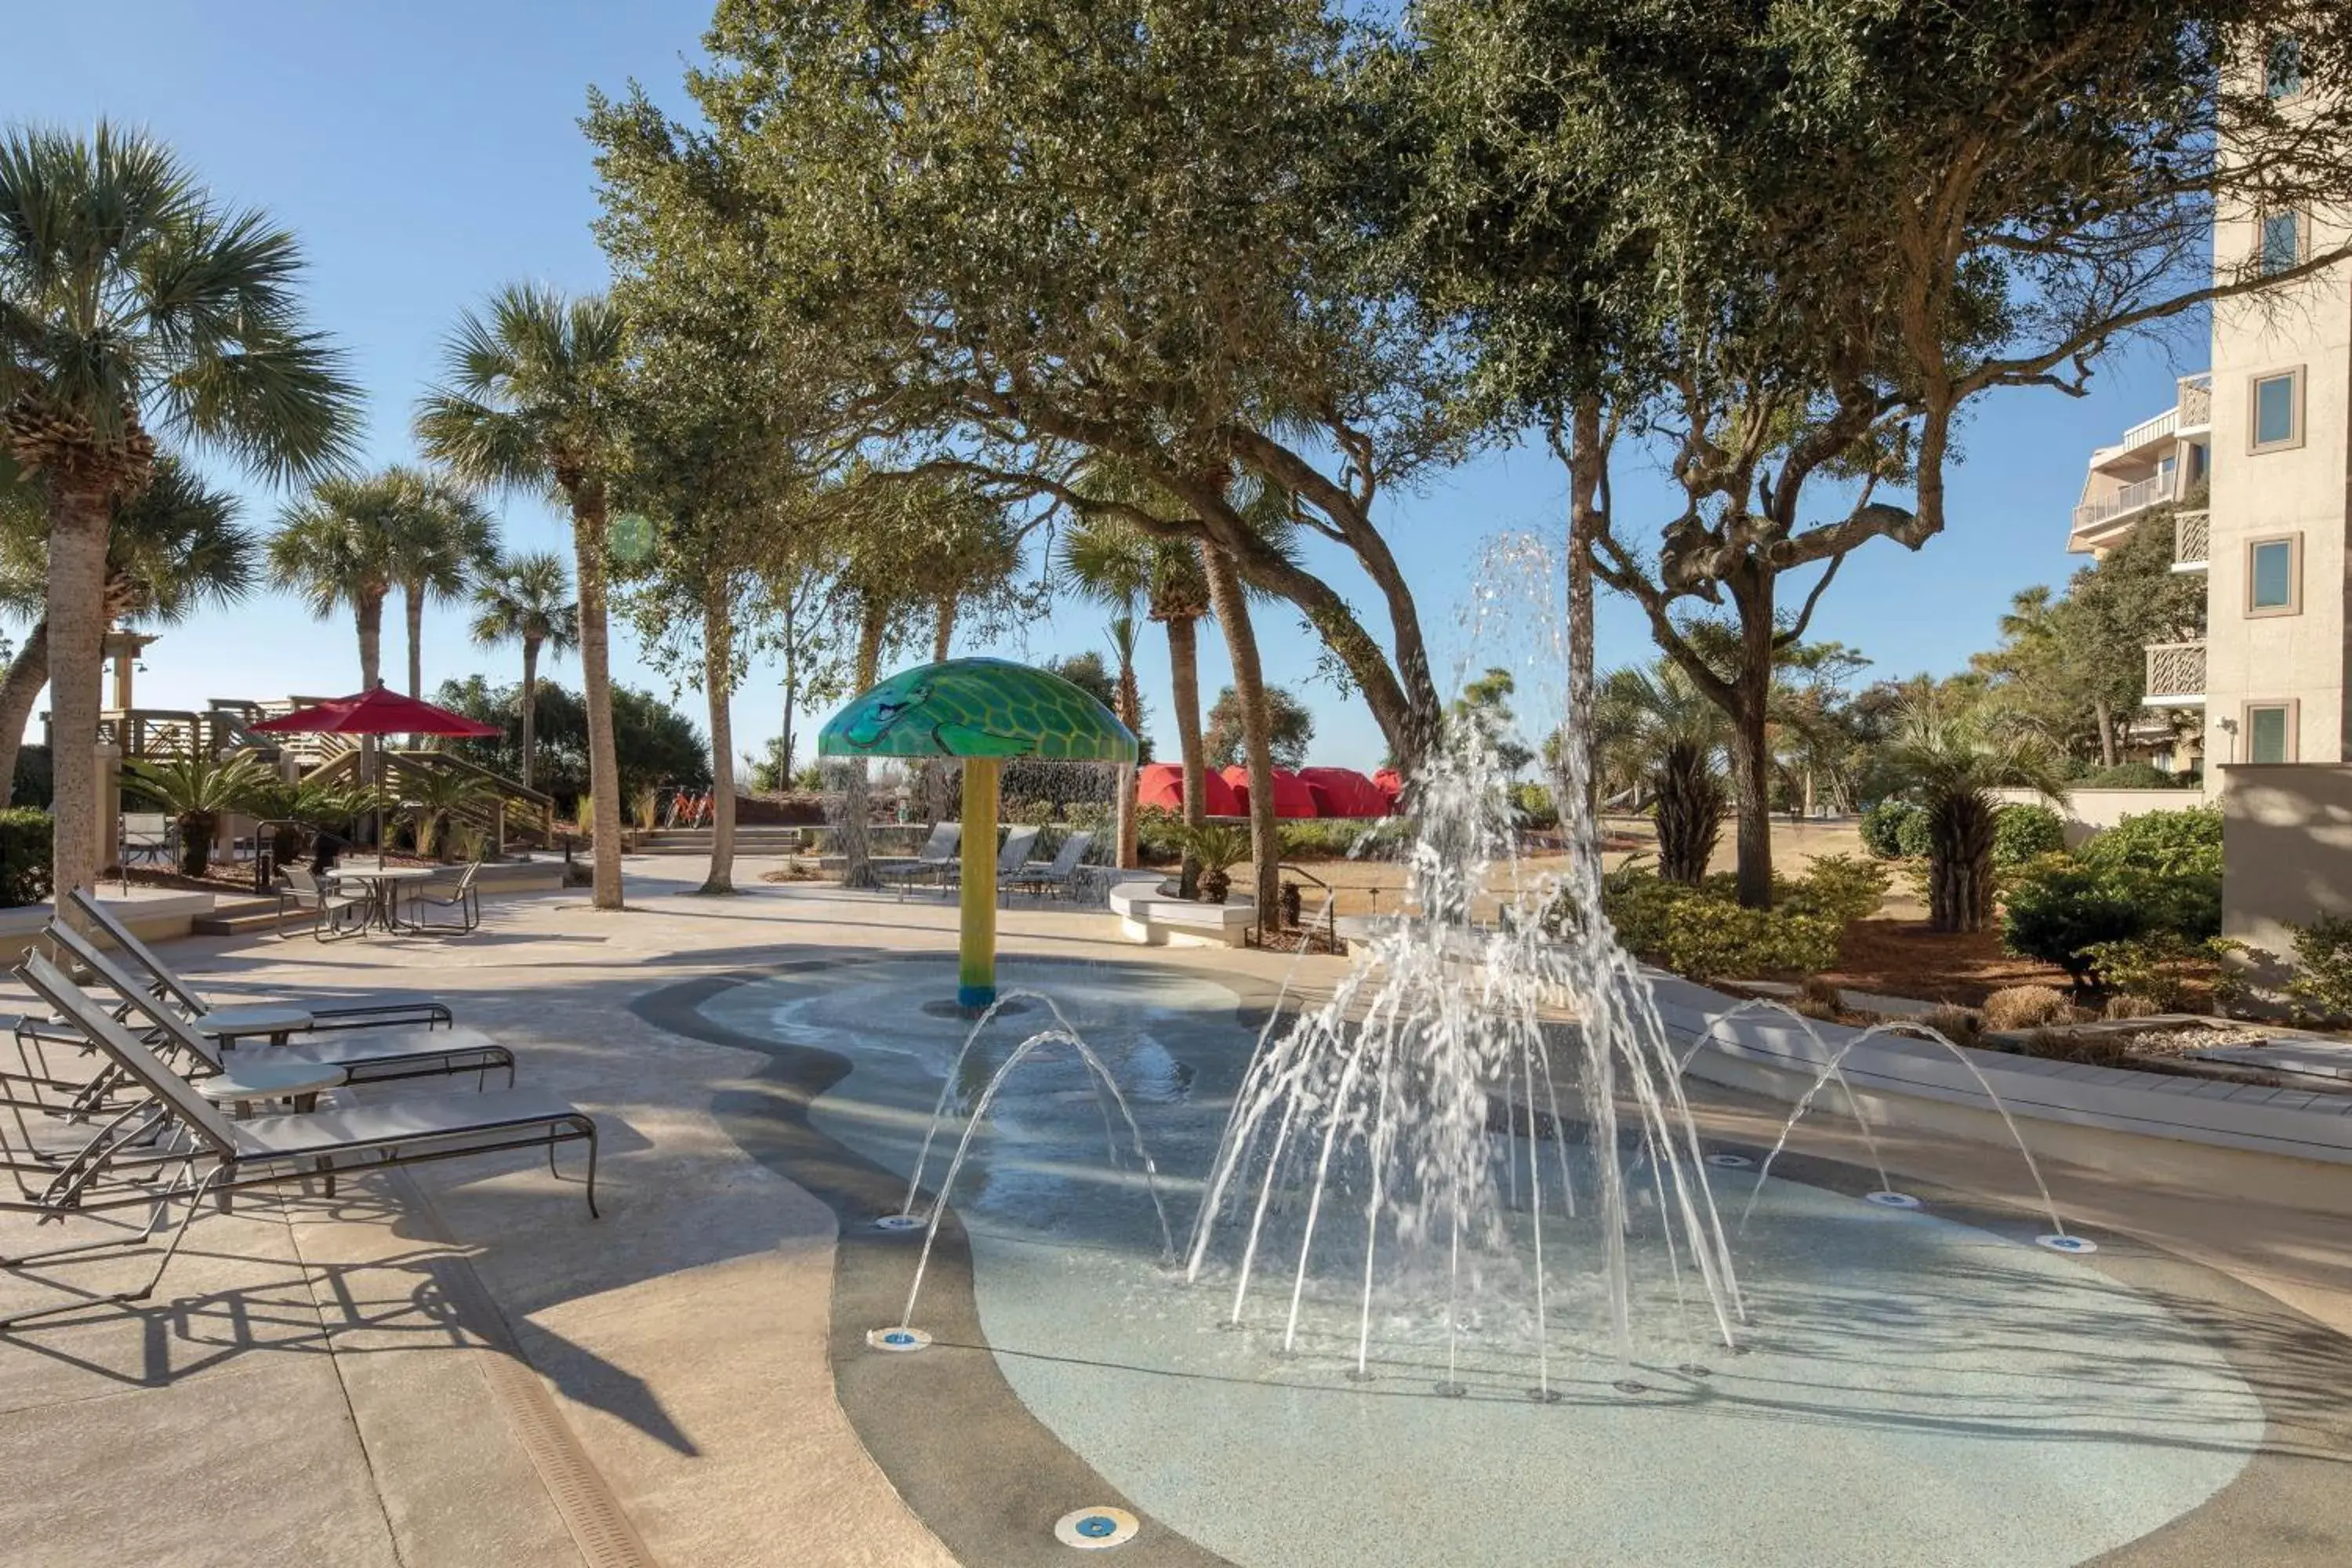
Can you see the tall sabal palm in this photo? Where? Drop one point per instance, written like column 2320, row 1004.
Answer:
column 174, row 550
column 338, row 547
column 1954, row 760
column 1111, row 565
column 131, row 302
column 528, row 599
column 1654, row 725
column 527, row 406
column 443, row 539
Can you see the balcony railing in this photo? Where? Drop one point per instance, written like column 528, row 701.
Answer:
column 2147, row 492
column 2196, row 409
column 2149, row 430
column 2175, row 674
column 2192, row 540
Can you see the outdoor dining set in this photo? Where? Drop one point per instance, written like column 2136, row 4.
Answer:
column 351, row 900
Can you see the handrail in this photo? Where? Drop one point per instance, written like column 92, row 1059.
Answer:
column 1330, row 900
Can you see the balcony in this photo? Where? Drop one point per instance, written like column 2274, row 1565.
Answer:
column 2192, row 540
column 2196, row 408
column 2176, row 675
column 2147, row 493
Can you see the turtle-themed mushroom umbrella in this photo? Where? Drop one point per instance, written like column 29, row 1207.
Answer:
column 982, row 712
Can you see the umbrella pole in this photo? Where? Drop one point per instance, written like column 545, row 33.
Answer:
column 976, row 967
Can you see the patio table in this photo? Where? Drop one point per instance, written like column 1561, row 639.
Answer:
column 245, row 1086
column 230, row 1025
column 383, row 885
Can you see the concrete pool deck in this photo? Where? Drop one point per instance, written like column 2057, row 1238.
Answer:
column 457, row 1366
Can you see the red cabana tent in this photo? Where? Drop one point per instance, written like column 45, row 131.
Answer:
column 1344, row 792
column 1291, row 795
column 1390, row 782
column 1162, row 785
column 377, row 711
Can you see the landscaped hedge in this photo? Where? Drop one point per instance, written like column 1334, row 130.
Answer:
column 1704, row 933
column 2153, row 880
column 26, row 842
column 1882, row 827
column 2023, row 832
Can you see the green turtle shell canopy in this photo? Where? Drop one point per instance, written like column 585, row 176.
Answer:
column 978, row 708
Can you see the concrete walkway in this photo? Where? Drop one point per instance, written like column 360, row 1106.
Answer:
column 457, row 1366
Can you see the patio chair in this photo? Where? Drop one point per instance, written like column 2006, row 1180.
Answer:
column 460, row 896
column 148, row 835
column 333, row 915
column 1039, row 876
column 1011, row 855
column 186, row 1151
column 359, row 1010
column 932, row 863
column 371, row 1055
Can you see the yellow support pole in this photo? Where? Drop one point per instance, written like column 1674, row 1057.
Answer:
column 976, row 969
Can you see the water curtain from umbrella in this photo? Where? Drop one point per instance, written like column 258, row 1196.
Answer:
column 984, row 713
column 378, row 710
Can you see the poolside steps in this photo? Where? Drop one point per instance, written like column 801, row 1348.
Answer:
column 749, row 840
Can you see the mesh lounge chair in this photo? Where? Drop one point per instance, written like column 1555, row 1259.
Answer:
column 1040, row 876
column 364, row 1010
column 1011, row 855
column 460, row 896
column 333, row 914
column 932, row 863
column 370, row 1056
column 195, row 1153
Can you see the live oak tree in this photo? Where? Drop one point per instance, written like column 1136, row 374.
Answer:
column 1785, row 247
column 1013, row 239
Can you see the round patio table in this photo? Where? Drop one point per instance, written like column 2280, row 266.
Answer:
column 243, row 1087
column 230, row 1025
column 383, row 884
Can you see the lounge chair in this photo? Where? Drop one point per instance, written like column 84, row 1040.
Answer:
column 932, row 863
column 460, row 896
column 1011, row 855
column 148, row 835
column 1040, row 876
column 179, row 1148
column 363, row 1010
column 369, row 1055
column 333, row 914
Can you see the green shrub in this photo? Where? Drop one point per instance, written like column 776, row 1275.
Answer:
column 1703, row 933
column 1321, row 839
column 2135, row 775
column 2167, row 843
column 1836, row 888
column 1882, row 827
column 25, row 851
column 2322, row 986
column 1535, row 807
column 33, row 783
column 1159, row 833
column 2059, row 907
column 2162, row 965
column 2023, row 832
column 1914, row 835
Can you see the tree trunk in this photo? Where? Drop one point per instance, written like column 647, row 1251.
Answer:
column 2106, row 722
column 1258, row 729
column 413, row 606
column 935, row 780
column 79, row 517
column 369, row 612
column 588, row 547
column 1130, row 713
column 791, row 701
column 530, row 706
column 856, row 868
column 1961, row 832
column 28, row 673
column 1184, row 676
column 1587, row 468
column 718, row 680
column 1751, row 751
column 1689, row 814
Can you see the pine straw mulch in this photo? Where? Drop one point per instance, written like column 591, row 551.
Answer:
column 1904, row 958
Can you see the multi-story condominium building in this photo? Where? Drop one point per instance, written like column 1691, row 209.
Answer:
column 2267, row 434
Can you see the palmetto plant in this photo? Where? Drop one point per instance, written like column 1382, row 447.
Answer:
column 524, row 405
column 174, row 549
column 338, row 548
column 432, row 796
column 196, row 792
column 133, row 302
column 528, row 599
column 1215, row 847
column 1954, row 762
column 1653, row 726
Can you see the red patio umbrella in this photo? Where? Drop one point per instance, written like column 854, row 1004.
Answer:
column 378, row 712
column 1162, row 785
column 1344, row 792
column 1291, row 795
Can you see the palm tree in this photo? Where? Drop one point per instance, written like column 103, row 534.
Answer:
column 1654, row 725
column 1955, row 761
column 338, row 547
column 174, row 549
column 527, row 406
column 131, row 297
column 528, row 599
column 443, row 539
column 1111, row 565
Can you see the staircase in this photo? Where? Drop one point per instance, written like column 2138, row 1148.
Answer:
column 749, row 840
column 508, row 812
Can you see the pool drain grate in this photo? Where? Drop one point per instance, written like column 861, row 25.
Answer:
column 1730, row 1162
column 901, row 1339
column 896, row 1223
column 2070, row 1244
column 1892, row 1200
column 1092, row 1529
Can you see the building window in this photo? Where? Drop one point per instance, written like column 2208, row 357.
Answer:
column 2282, row 77
column 2281, row 242
column 2274, row 576
column 2277, row 411
column 2270, row 732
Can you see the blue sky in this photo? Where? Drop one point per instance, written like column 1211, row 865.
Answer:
column 428, row 152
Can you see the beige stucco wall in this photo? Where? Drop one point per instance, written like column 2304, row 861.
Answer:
column 2299, row 658
column 2286, row 854
column 2087, row 811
